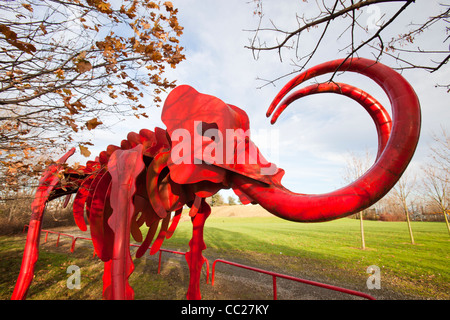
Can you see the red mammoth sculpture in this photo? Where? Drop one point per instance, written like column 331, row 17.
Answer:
column 206, row 147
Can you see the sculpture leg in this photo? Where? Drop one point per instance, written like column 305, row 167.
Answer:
column 194, row 257
column 124, row 167
column 30, row 257
column 47, row 182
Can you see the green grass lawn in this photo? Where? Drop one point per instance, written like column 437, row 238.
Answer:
column 333, row 248
column 50, row 276
column 328, row 252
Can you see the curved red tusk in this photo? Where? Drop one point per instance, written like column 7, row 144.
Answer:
column 377, row 181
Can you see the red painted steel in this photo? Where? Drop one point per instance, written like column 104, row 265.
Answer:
column 73, row 241
column 279, row 275
column 59, row 235
column 75, row 238
column 155, row 173
column 47, row 182
column 273, row 274
column 375, row 183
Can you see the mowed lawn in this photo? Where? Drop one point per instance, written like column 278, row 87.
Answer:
column 332, row 250
column 328, row 252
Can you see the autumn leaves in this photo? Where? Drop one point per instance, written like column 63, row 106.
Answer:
column 67, row 65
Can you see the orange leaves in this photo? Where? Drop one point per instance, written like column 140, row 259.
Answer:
column 169, row 6
column 104, row 7
column 173, row 22
column 130, row 85
column 100, row 5
column 146, row 25
column 129, row 95
column 151, row 44
column 113, row 95
column 27, row 6
column 84, row 151
column 59, row 73
column 69, row 122
column 155, row 56
column 11, row 38
column 74, row 107
column 157, row 99
column 176, row 58
column 43, row 28
column 152, row 5
column 111, row 44
column 17, row 166
column 81, row 64
column 93, row 123
column 97, row 69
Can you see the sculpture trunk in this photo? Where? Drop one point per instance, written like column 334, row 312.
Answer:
column 370, row 187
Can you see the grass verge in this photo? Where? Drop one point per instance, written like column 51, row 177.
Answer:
column 331, row 250
column 327, row 252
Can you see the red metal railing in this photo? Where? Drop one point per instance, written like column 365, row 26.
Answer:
column 74, row 239
column 174, row 252
column 279, row 275
column 273, row 274
column 59, row 236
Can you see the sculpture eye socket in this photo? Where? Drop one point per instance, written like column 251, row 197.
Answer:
column 209, row 130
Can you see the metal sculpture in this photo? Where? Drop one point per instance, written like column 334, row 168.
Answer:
column 205, row 148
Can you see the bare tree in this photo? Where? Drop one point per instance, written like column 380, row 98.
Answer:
column 440, row 153
column 215, row 200
column 437, row 174
column 66, row 65
column 373, row 34
column 231, row 201
column 401, row 192
column 355, row 167
column 437, row 189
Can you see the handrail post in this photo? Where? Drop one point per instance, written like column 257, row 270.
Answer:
column 159, row 262
column 213, row 271
column 72, row 248
column 207, row 271
column 57, row 241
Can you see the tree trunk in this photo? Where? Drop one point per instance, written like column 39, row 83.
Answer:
column 363, row 242
column 405, row 208
column 446, row 220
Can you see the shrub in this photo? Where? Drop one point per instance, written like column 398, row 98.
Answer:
column 392, row 216
column 14, row 214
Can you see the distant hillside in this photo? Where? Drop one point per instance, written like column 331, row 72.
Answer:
column 240, row 211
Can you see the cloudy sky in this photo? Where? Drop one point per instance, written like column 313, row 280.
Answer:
column 312, row 139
